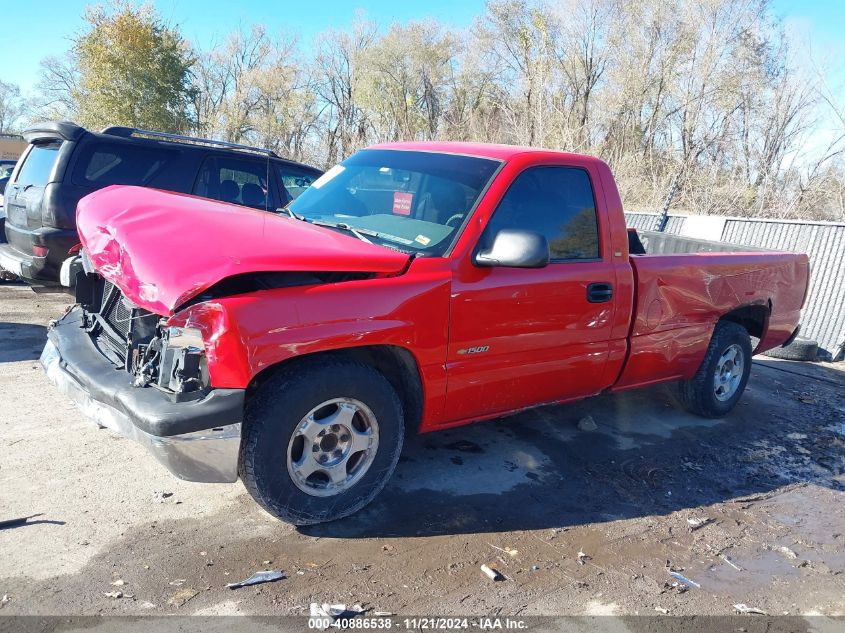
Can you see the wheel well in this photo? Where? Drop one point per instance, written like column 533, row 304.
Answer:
column 397, row 364
column 754, row 318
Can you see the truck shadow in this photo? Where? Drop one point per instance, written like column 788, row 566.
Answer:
column 21, row 341
column 540, row 470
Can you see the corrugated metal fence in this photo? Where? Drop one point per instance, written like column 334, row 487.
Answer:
column 824, row 312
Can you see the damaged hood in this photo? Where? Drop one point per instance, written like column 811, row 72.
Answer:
column 161, row 248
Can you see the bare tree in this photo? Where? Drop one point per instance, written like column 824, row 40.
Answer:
column 57, row 88
column 253, row 89
column 698, row 101
column 581, row 51
column 12, row 108
column 338, row 70
column 405, row 81
column 516, row 35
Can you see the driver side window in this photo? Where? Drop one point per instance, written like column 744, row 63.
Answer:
column 553, row 201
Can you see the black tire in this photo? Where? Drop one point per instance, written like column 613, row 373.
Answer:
column 272, row 416
column 799, row 349
column 5, row 276
column 699, row 394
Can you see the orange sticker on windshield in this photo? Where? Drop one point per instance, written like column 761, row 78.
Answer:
column 402, row 201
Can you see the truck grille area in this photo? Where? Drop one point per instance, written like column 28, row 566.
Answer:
column 115, row 321
column 114, row 310
column 117, row 326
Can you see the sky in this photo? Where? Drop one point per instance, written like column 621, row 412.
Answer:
column 32, row 30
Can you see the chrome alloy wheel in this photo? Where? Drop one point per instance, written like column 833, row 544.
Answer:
column 332, row 447
column 728, row 373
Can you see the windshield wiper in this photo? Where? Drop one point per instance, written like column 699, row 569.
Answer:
column 291, row 213
column 359, row 233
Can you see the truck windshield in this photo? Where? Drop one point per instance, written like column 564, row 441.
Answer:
column 415, row 202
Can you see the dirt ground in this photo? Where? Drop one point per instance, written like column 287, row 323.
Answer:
column 749, row 508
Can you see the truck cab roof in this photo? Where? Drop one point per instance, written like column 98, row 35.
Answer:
column 493, row 151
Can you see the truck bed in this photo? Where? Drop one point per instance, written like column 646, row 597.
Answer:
column 679, row 297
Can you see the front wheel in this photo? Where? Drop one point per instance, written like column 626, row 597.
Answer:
column 321, row 441
column 720, row 381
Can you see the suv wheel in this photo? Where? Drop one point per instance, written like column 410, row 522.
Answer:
column 320, row 442
column 720, row 381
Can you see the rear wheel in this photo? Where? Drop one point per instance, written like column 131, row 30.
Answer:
column 720, row 381
column 320, row 443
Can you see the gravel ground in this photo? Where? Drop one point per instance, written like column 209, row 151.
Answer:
column 749, row 508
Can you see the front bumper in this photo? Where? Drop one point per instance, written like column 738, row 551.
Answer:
column 197, row 440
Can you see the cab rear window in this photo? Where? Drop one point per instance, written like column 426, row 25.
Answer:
column 38, row 165
column 102, row 164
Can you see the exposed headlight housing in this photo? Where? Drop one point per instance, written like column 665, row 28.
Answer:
column 183, row 366
column 181, row 337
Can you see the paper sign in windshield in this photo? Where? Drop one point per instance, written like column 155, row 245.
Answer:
column 402, row 201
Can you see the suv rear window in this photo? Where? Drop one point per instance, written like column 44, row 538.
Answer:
column 39, row 163
column 102, row 164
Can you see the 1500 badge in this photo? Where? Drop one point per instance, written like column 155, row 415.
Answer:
column 474, row 350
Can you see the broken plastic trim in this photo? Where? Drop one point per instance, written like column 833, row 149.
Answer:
column 174, row 360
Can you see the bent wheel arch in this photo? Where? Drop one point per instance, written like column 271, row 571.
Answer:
column 718, row 385
column 397, row 364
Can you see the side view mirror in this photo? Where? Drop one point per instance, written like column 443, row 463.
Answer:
column 515, row 248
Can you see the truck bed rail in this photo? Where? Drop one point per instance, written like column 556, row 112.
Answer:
column 657, row 243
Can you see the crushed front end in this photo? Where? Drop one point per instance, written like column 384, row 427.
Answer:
column 131, row 372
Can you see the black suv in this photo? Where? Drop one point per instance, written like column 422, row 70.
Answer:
column 65, row 162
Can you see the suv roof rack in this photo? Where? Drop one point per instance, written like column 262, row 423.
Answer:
column 128, row 132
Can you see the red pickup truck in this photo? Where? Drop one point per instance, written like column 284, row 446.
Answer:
column 415, row 286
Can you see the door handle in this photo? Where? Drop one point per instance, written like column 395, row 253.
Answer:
column 600, row 292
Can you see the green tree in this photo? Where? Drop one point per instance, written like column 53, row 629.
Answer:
column 133, row 70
